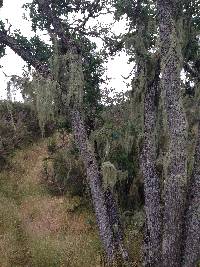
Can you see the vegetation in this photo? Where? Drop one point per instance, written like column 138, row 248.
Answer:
column 19, row 126
column 127, row 168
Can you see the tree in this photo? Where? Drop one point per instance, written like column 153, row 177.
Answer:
column 47, row 15
column 162, row 115
column 162, row 41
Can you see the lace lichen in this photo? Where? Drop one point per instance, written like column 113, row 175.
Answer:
column 111, row 175
column 67, row 69
column 61, row 92
column 45, row 91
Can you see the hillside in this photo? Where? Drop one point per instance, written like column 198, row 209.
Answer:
column 38, row 229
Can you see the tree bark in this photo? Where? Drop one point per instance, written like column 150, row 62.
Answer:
column 144, row 98
column 117, row 228
column 94, row 180
column 152, row 191
column 191, row 254
column 169, row 13
column 106, row 211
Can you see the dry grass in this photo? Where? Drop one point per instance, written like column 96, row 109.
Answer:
column 39, row 230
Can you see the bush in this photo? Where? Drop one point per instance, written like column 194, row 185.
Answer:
column 64, row 170
column 18, row 126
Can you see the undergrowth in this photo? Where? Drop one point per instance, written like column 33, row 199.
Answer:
column 38, row 229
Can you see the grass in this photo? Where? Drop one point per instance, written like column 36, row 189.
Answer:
column 41, row 230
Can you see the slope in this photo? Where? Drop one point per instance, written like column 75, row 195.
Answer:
column 38, row 229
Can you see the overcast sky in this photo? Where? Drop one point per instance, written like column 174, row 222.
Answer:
column 13, row 64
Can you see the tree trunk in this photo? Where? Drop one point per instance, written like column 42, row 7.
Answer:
column 152, row 191
column 176, row 165
column 192, row 231
column 114, row 218
column 103, row 215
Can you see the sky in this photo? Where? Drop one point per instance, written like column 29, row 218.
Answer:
column 13, row 64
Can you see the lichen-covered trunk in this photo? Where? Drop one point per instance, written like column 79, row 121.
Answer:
column 103, row 214
column 169, row 13
column 191, row 253
column 152, row 244
column 94, row 180
column 115, row 222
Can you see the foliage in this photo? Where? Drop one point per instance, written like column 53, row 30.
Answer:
column 41, row 51
column 115, row 141
column 64, row 172
column 19, row 126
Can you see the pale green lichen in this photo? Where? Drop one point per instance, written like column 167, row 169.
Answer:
column 68, row 71
column 64, row 90
column 45, row 90
column 76, row 80
column 111, row 175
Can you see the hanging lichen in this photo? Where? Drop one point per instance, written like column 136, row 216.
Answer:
column 59, row 65
column 111, row 175
column 67, row 70
column 9, row 104
column 65, row 89
column 139, row 83
column 45, row 91
column 114, row 142
column 191, row 105
column 76, row 80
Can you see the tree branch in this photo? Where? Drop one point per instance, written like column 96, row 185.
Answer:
column 44, row 7
column 26, row 55
column 91, row 11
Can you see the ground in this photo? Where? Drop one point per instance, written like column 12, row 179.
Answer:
column 38, row 229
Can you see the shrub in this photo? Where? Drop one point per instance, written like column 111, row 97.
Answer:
column 64, row 170
column 18, row 127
